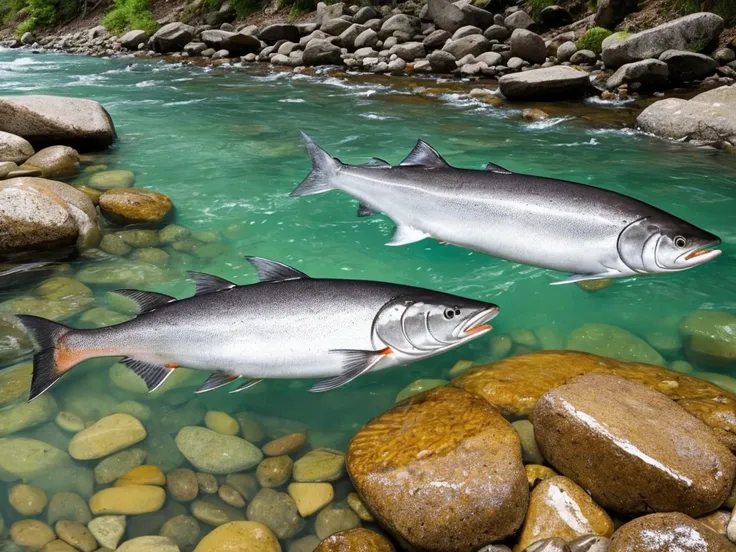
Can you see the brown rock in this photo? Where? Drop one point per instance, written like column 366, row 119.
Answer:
column 355, row 540
column 560, row 508
column 668, row 533
column 182, row 484
column 31, row 533
column 54, row 162
column 643, row 452
column 444, row 446
column 231, row 496
column 718, row 521
column 76, row 535
column 357, row 505
column 240, row 536
column 207, row 483
column 536, row 473
column 514, row 385
column 134, row 206
column 287, row 444
column 274, row 471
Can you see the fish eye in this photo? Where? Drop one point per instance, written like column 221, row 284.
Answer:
column 450, row 314
column 680, row 242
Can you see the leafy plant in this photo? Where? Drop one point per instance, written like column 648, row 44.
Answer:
column 29, row 25
column 8, row 9
column 245, row 7
column 42, row 13
column 301, row 7
column 130, row 14
column 593, row 39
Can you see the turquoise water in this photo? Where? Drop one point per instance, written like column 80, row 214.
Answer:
column 225, row 146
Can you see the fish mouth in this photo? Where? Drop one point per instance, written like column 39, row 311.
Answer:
column 701, row 255
column 478, row 324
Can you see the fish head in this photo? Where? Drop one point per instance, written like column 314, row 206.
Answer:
column 424, row 325
column 666, row 244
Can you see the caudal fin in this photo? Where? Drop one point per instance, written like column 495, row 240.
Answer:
column 46, row 367
column 324, row 169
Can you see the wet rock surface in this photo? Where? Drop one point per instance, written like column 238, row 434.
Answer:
column 667, row 532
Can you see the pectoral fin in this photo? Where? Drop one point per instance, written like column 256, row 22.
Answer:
column 355, row 363
column 152, row 375
column 406, row 234
column 215, row 381
column 584, row 278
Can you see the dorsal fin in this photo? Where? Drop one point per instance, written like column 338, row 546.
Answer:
column 207, row 283
column 497, row 169
column 146, row 300
column 424, row 155
column 377, row 163
column 273, row 271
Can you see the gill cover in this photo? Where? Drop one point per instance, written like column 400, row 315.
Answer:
column 637, row 245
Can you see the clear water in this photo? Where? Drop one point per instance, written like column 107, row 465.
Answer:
column 225, row 146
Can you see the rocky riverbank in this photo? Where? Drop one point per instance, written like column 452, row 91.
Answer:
column 522, row 59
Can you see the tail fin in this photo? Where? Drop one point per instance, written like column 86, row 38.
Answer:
column 46, row 368
column 324, row 168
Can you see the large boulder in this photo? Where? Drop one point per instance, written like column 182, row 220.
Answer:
column 133, row 39
column 350, row 35
column 322, row 52
column 518, row 20
column 609, row 13
column 172, row 37
column 528, row 46
column 668, row 533
column 366, row 13
column 55, row 162
column 435, row 7
column 686, row 66
column 134, row 206
column 650, row 73
column 696, row 32
column 551, row 83
column 640, row 447
column 326, row 12
column 368, row 38
column 54, row 120
column 335, row 26
column 409, row 51
column 14, row 149
column 279, row 31
column 236, row 44
column 443, row 447
column 441, row 61
column 462, row 13
column 401, row 23
column 473, row 44
column 708, row 117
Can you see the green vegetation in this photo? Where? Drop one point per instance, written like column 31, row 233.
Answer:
column 130, row 14
column 300, row 7
column 245, row 7
column 538, row 6
column 593, row 39
column 725, row 8
column 40, row 13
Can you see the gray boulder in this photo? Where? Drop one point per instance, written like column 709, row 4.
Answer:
column 367, row 38
column 409, row 51
column 467, row 30
column 518, row 20
column 56, row 120
column 273, row 33
column 14, row 148
column 435, row 7
column 349, row 35
column 687, row 66
column 651, row 73
column 172, row 37
column 236, row 44
column 583, row 57
column 401, row 23
column 195, row 48
column 436, row 39
column 708, row 117
column 366, row 13
column 27, row 39
column 397, row 66
column 322, row 52
column 473, row 44
column 441, row 61
column 497, row 32
column 724, row 55
column 287, row 47
column 609, row 13
column 551, row 83
column 335, row 27
column 694, row 32
column 552, row 17
column 528, row 46
column 460, row 14
column 132, row 39
column 325, row 12
column 566, row 50
column 490, row 58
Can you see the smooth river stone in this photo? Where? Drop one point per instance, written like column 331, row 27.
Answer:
column 274, row 471
column 183, row 530
column 355, row 540
column 240, row 536
column 128, row 500
column 182, row 484
column 287, row 444
column 221, row 422
column 671, row 532
column 142, row 475
column 76, row 535
column 213, row 511
column 560, row 508
column 117, row 465
column 148, row 544
column 277, row 511
column 335, row 518
column 211, row 452
column 133, row 206
column 310, row 498
column 108, row 435
column 108, row 530
column 320, row 465
column 515, row 384
column 27, row 500
column 27, row 414
column 643, row 452
column 67, row 505
column 445, row 446
column 22, row 458
column 31, row 533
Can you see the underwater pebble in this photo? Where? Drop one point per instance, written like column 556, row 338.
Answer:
column 27, row 500
column 230, row 496
column 359, row 507
column 310, row 498
column 67, row 505
column 148, row 544
column 183, row 530
column 612, row 342
column 76, row 535
column 107, row 530
column 134, row 408
column 240, row 536
column 27, row 414
column 23, row 458
column 171, row 233
column 151, row 255
column 536, row 474
column 244, row 483
column 419, row 386
column 31, row 533
column 249, row 428
column 108, row 435
column 287, row 444
column 354, row 540
column 682, row 366
column 182, row 484
column 107, row 180
column 128, row 500
column 69, row 421
column 140, row 238
column 524, row 338
column 204, row 236
column 61, row 287
column 500, row 346
column 142, row 475
column 213, row 453
column 530, row 453
column 460, row 367
column 304, row 544
column 207, row 483
column 277, row 511
column 214, row 512
column 274, row 471
column 221, row 423
column 320, row 465
column 58, row 545
column 335, row 518
column 117, row 465
column 115, row 245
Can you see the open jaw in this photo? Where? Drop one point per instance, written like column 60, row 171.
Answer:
column 701, row 255
column 477, row 325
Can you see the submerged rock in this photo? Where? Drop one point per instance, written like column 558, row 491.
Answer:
column 108, row 180
column 334, row 519
column 612, row 342
column 133, row 206
column 638, row 447
column 240, row 535
column 214, row 453
column 54, row 162
column 14, row 148
column 108, row 530
column 128, row 500
column 148, row 544
column 320, row 465
column 355, row 540
column 277, row 511
column 215, row 512
column 551, row 83
column 710, row 336
column 27, row 500
column 23, row 458
column 447, row 447
column 54, row 120
column 666, row 533
column 110, row 434
column 117, row 465
column 27, row 414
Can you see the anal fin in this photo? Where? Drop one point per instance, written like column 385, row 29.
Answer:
column 247, row 385
column 406, row 234
column 153, row 375
column 215, row 381
column 355, row 364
